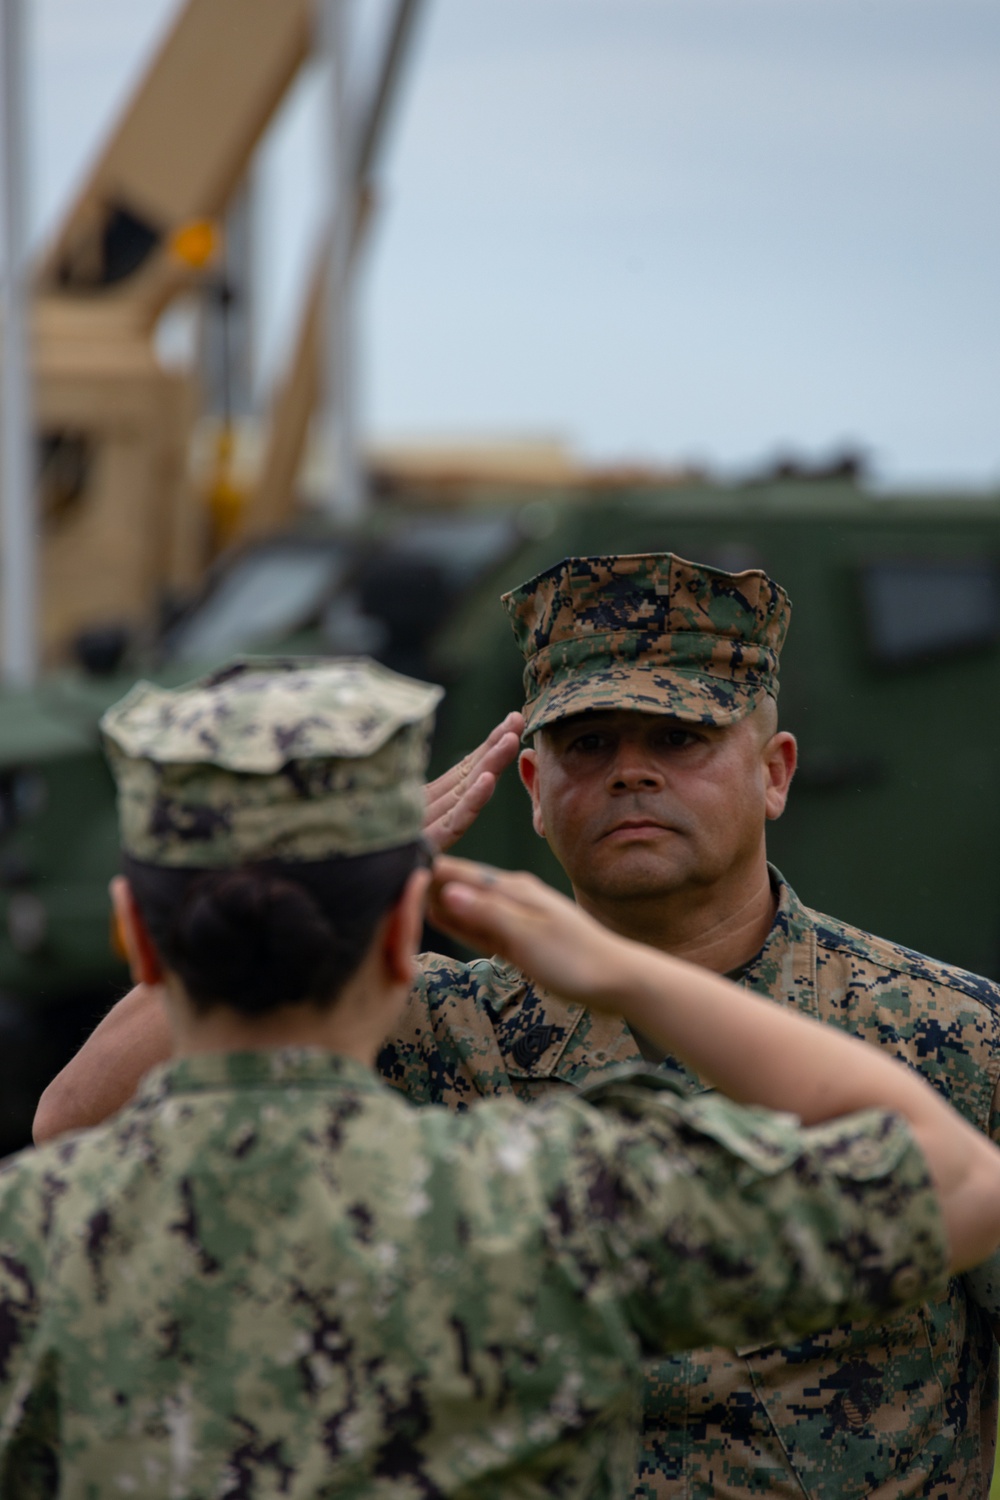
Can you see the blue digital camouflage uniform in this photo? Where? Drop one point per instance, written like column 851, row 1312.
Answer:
column 272, row 1276
column 903, row 1408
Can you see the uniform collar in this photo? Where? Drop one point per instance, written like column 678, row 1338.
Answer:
column 783, row 971
column 280, row 1067
column 534, row 1035
column 785, row 968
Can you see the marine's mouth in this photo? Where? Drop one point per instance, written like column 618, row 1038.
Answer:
column 633, row 827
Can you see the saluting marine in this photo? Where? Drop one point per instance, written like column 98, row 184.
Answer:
column 650, row 700
column 272, row 1275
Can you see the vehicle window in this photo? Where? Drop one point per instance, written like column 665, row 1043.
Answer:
column 415, row 581
column 263, row 595
column 916, row 610
column 461, row 547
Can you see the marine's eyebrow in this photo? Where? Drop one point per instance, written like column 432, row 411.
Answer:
column 584, row 729
column 584, row 723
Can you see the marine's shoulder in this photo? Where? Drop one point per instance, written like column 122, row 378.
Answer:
column 878, row 956
column 530, row 1026
column 491, row 983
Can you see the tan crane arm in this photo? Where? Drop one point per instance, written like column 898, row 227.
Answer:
column 179, row 150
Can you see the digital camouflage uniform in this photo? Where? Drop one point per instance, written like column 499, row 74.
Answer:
column 271, row 1276
column 905, row 1408
column 277, row 758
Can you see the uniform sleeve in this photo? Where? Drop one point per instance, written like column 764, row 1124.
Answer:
column 32, row 1185
column 983, row 1284
column 730, row 1226
column 445, row 1049
column 22, row 1226
column 405, row 1059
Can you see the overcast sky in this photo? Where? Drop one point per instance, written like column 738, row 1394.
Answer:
column 660, row 229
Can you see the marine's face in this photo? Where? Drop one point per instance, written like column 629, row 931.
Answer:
column 640, row 805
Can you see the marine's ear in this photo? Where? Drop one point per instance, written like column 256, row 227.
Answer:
column 780, row 757
column 527, row 765
column 143, row 959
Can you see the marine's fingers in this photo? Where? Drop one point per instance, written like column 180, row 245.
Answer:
column 449, row 867
column 447, row 817
column 514, row 883
column 495, row 753
column 455, row 800
column 454, row 787
column 500, row 754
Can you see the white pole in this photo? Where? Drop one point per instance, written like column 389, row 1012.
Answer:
column 18, row 537
column 347, row 498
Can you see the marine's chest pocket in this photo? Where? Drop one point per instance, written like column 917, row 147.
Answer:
column 532, row 1045
column 856, row 1409
column 533, row 1054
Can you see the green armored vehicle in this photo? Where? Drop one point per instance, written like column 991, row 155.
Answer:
column 891, row 680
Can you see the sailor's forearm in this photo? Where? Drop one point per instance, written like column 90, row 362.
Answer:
column 104, row 1074
column 754, row 1050
column 758, row 1052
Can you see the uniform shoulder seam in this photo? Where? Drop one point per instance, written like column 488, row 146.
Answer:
column 840, row 937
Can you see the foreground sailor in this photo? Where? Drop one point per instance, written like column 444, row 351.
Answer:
column 270, row 1275
column 650, row 687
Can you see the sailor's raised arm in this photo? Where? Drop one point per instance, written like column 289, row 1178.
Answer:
column 748, row 1047
column 108, row 1068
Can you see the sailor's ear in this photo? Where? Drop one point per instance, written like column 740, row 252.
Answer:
column 403, row 927
column 133, row 935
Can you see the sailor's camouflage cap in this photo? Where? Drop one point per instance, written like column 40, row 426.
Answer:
column 271, row 758
column 647, row 631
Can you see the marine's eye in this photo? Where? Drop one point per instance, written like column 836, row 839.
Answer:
column 679, row 739
column 590, row 743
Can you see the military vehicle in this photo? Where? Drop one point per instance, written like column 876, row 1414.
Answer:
column 125, row 520
column 893, row 819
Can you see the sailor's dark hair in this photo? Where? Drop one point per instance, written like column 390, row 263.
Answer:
column 266, row 935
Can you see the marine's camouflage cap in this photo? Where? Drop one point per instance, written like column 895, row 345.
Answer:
column 650, row 632
column 281, row 758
